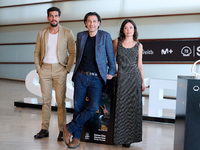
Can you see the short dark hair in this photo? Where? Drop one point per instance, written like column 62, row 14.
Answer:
column 92, row 14
column 53, row 9
column 121, row 32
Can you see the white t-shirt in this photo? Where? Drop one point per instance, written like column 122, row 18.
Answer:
column 51, row 56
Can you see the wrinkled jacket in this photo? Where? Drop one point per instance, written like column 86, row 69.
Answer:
column 65, row 47
column 103, row 53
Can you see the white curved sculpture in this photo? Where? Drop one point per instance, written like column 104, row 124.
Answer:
column 197, row 75
column 32, row 83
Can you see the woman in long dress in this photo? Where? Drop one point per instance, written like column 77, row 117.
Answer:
column 130, row 85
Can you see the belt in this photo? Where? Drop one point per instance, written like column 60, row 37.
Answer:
column 88, row 73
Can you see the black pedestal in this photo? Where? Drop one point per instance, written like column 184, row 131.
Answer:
column 187, row 122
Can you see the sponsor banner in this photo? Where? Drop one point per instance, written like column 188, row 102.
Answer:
column 171, row 50
column 99, row 128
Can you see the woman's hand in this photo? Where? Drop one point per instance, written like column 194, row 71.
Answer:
column 143, row 87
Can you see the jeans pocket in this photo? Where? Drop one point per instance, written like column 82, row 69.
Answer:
column 98, row 78
column 77, row 74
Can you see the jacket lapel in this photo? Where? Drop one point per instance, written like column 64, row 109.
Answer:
column 97, row 44
column 81, row 46
column 83, row 41
column 98, row 39
column 60, row 36
column 46, row 36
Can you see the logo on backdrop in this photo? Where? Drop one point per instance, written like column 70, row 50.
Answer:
column 186, row 51
column 196, row 88
column 148, row 52
column 87, row 136
column 198, row 51
column 166, row 51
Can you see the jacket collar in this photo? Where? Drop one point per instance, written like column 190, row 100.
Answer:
column 84, row 39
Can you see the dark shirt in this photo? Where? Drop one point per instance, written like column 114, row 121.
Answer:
column 88, row 61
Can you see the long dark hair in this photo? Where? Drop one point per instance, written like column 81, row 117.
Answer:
column 121, row 32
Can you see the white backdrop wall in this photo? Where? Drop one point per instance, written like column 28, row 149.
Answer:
column 186, row 26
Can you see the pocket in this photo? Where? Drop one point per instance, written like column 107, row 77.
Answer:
column 99, row 78
column 66, row 69
column 77, row 74
column 61, row 68
column 39, row 71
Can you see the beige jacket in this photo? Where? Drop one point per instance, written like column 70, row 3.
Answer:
column 65, row 48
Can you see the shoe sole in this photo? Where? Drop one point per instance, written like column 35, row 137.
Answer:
column 74, row 146
column 41, row 137
column 59, row 139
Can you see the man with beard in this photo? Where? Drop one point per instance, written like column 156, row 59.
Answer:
column 53, row 57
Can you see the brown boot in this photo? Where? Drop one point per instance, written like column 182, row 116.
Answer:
column 75, row 143
column 43, row 133
column 66, row 135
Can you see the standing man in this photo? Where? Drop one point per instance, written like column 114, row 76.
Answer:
column 54, row 57
column 94, row 52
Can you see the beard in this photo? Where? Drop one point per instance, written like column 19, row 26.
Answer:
column 54, row 25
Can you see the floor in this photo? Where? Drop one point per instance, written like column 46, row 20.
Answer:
column 18, row 126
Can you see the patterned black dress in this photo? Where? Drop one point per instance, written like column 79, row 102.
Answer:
column 128, row 112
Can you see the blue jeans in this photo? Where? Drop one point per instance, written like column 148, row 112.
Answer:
column 84, row 85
